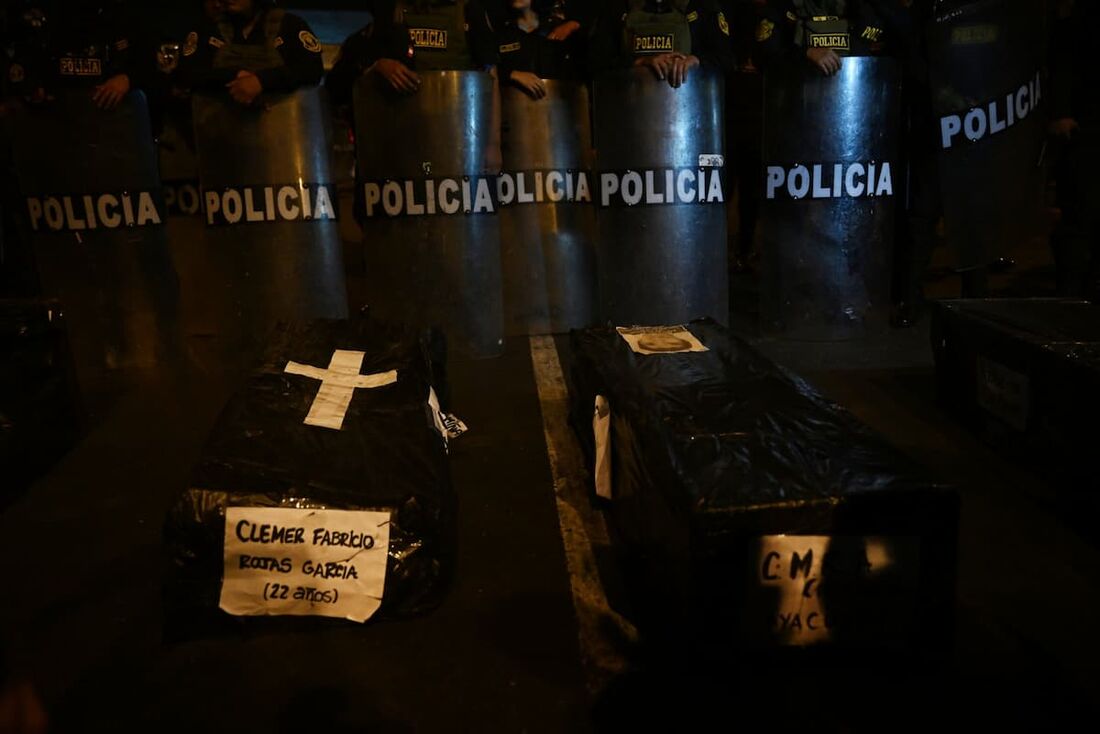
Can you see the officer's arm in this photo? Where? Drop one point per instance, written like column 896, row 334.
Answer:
column 775, row 37
column 575, row 21
column 131, row 51
column 301, row 52
column 607, row 38
column 582, row 11
column 1062, row 69
column 869, row 34
column 381, row 43
column 710, row 36
column 482, row 40
column 898, row 29
column 350, row 65
column 196, row 68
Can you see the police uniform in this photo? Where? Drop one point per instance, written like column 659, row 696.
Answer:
column 631, row 29
column 64, row 45
column 918, row 191
column 278, row 47
column 521, row 50
column 789, row 28
column 424, row 36
column 745, row 126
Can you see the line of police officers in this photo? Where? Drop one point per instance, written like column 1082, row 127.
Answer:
column 248, row 47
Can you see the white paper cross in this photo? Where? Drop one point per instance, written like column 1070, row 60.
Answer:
column 338, row 384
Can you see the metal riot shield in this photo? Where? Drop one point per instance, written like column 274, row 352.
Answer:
column 828, row 204
column 271, row 248
column 428, row 166
column 548, row 226
column 179, row 166
column 984, row 63
column 660, row 192
column 95, row 218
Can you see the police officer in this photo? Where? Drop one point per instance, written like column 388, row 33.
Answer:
column 540, row 43
column 410, row 36
column 919, row 198
column 253, row 47
column 1075, row 127
column 819, row 32
column 745, row 129
column 671, row 37
column 81, row 44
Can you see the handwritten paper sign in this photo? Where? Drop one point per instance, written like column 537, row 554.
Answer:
column 1004, row 393
column 792, row 565
column 869, row 581
column 327, row 563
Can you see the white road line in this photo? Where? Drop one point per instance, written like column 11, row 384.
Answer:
column 582, row 528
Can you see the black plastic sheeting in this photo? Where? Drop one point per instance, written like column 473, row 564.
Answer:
column 387, row 456
column 716, row 453
column 40, row 412
column 1027, row 373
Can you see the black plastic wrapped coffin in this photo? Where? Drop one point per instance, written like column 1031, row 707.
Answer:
column 39, row 404
column 751, row 511
column 1028, row 370
column 276, row 446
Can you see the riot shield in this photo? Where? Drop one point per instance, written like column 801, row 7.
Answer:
column 179, row 166
column 428, row 166
column 827, row 218
column 547, row 225
column 95, row 218
column 984, row 63
column 660, row 192
column 271, row 247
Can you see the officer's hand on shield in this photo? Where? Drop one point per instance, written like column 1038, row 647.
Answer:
column 563, row 31
column 245, row 88
column 660, row 63
column 108, row 94
column 400, row 77
column 529, row 83
column 1063, row 127
column 679, row 73
column 824, row 59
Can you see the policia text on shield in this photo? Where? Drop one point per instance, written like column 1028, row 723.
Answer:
column 416, row 232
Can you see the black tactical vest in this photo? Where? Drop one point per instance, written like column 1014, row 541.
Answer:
column 648, row 34
column 437, row 35
column 822, row 29
column 251, row 56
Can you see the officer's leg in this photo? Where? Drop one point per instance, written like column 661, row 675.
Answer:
column 17, row 274
column 1088, row 186
column 746, row 132
column 1073, row 237
column 916, row 236
column 748, row 204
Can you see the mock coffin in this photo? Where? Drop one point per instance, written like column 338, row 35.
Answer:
column 324, row 489
column 1025, row 371
column 750, row 511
